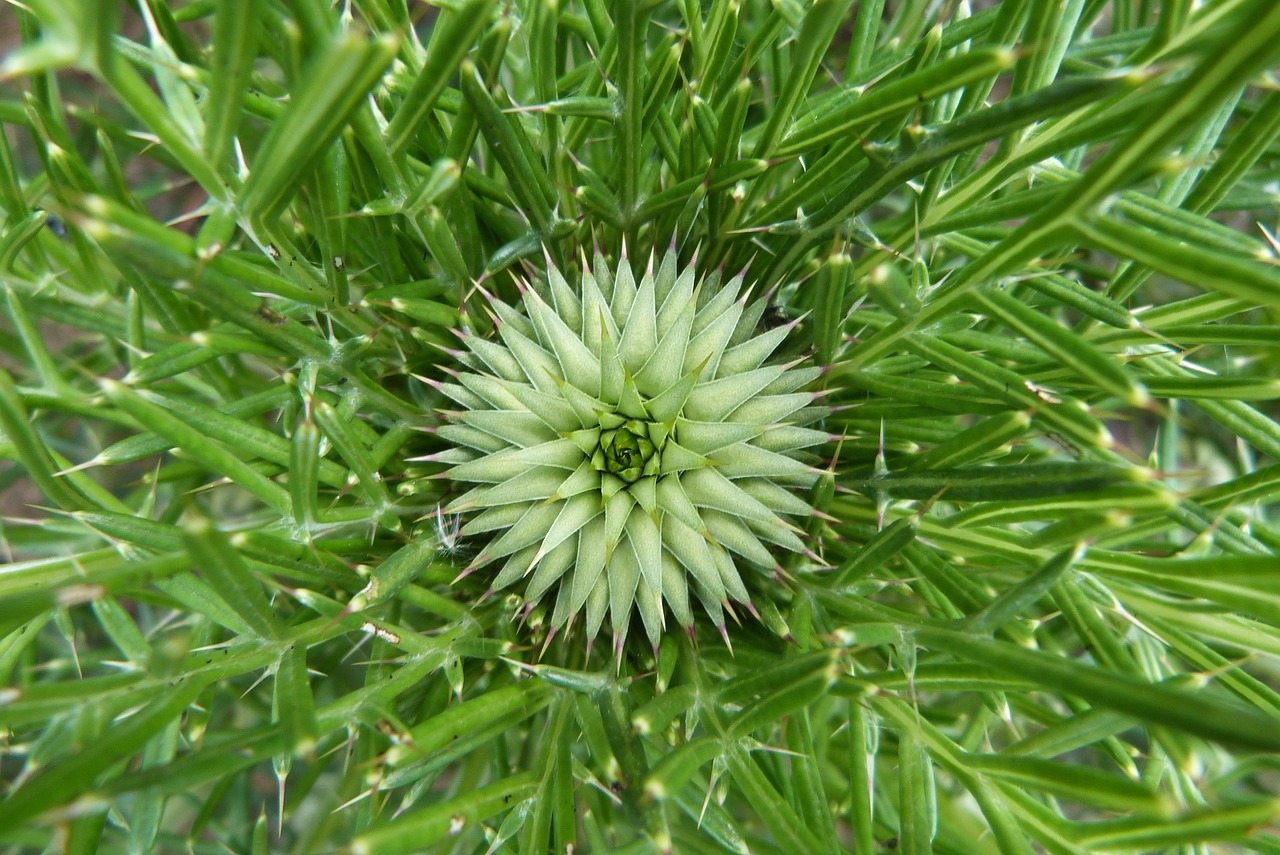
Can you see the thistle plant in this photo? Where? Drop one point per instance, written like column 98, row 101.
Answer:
column 628, row 438
column 975, row 468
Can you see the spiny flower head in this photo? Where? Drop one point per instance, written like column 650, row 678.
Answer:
column 632, row 445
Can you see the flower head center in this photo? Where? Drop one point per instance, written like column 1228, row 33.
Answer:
column 627, row 451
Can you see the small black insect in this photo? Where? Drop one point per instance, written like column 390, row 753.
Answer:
column 54, row 224
column 774, row 317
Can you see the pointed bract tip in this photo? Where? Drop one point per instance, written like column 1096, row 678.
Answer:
column 467, row 571
column 551, row 634
column 430, row 381
column 724, row 633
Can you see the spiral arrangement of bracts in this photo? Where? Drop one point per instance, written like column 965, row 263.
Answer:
column 631, row 444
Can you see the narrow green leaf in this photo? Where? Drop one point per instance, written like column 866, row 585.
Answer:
column 234, row 47
column 340, row 77
column 225, row 569
column 887, row 99
column 996, row 483
column 75, row 774
column 449, row 43
column 181, row 435
column 1072, row 782
column 405, row 833
column 1235, row 277
column 1069, row 349
column 786, row 827
column 1161, row 704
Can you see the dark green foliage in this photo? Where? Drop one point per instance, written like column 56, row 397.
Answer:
column 1035, row 245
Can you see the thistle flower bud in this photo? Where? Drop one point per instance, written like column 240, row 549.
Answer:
column 632, row 446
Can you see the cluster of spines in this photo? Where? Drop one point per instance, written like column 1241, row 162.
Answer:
column 685, row 359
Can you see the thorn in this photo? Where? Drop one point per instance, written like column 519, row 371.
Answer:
column 551, row 633
column 468, row 570
column 456, row 354
column 523, row 666
column 430, row 381
column 724, row 633
column 88, row 464
column 526, row 609
column 793, row 363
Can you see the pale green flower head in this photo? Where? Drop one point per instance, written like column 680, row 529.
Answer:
column 633, row 446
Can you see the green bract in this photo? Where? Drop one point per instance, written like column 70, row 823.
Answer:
column 632, row 443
